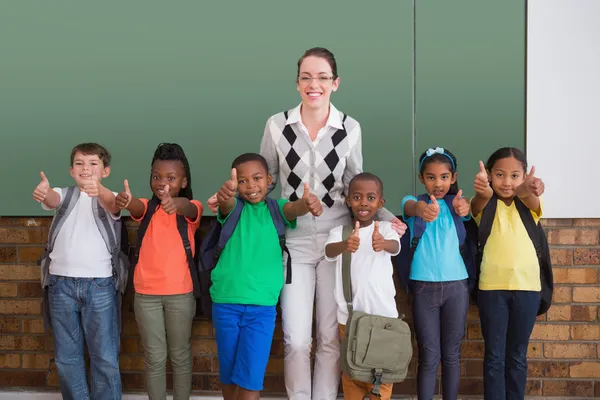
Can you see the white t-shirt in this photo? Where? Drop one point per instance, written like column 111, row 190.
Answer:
column 373, row 288
column 79, row 250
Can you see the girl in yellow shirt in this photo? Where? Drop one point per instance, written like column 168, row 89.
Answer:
column 509, row 283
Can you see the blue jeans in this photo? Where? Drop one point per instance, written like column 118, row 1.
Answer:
column 439, row 314
column 84, row 310
column 507, row 319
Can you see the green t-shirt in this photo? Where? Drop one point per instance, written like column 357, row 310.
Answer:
column 250, row 268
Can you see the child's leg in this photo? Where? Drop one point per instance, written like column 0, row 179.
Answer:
column 179, row 314
column 68, row 338
column 523, row 312
column 426, row 306
column 226, row 320
column 353, row 390
column 150, row 317
column 493, row 314
column 99, row 318
column 453, row 318
column 256, row 334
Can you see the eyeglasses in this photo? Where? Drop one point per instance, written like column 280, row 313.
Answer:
column 309, row 79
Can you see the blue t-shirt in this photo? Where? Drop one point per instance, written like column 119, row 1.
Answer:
column 437, row 258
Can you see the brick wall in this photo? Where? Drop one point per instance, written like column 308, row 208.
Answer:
column 564, row 352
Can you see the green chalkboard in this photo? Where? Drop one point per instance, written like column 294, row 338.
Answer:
column 470, row 79
column 207, row 75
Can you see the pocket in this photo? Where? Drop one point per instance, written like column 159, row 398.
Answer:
column 418, row 286
column 104, row 283
column 384, row 349
column 53, row 281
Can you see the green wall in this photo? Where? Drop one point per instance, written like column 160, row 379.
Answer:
column 207, row 75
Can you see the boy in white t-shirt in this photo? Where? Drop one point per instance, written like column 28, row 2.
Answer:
column 372, row 244
column 79, row 279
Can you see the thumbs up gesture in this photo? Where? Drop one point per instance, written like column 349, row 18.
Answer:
column 531, row 185
column 311, row 202
column 166, row 201
column 124, row 198
column 429, row 212
column 229, row 188
column 41, row 190
column 353, row 242
column 92, row 187
column 378, row 239
column 461, row 205
column 482, row 183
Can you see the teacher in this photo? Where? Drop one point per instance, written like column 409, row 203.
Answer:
column 314, row 143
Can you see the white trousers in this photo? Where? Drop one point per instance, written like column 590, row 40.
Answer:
column 311, row 274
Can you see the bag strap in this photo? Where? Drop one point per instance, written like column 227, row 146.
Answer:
column 182, row 227
column 530, row 225
column 275, row 211
column 228, row 227
column 150, row 210
column 419, row 224
column 346, row 272
column 461, row 232
column 487, row 220
column 107, row 230
column 69, row 200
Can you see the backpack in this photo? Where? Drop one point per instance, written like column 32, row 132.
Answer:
column 467, row 239
column 538, row 238
column 375, row 349
column 114, row 235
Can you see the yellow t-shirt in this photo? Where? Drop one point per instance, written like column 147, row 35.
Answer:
column 509, row 258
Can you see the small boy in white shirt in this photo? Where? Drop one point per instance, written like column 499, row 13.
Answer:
column 372, row 245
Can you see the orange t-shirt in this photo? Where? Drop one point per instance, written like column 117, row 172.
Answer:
column 162, row 267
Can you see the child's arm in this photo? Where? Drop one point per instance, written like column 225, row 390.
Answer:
column 308, row 203
column 483, row 191
column 43, row 194
column 461, row 205
column 132, row 204
column 429, row 212
column 332, row 250
column 226, row 195
column 382, row 244
column 106, row 198
column 530, row 191
column 179, row 205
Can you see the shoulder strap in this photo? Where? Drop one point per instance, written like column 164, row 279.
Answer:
column 458, row 220
column 419, row 224
column 346, row 272
column 107, row 230
column 69, row 200
column 530, row 225
column 275, row 211
column 487, row 220
column 150, row 210
column 182, row 227
column 229, row 226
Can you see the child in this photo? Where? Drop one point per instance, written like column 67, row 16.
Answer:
column 248, row 277
column 81, row 282
column 509, row 282
column 164, row 300
column 372, row 245
column 438, row 275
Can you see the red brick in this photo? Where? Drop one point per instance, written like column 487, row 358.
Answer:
column 25, row 222
column 9, row 325
column 562, row 294
column 10, row 361
column 556, row 222
column 202, row 364
column 474, row 331
column 33, row 325
column 53, row 378
column 471, row 349
column 568, row 388
column 22, row 378
column 587, row 222
column 473, row 314
column 585, row 369
column 202, row 328
column 20, row 235
column 586, row 294
column 583, row 256
column 550, row 332
column 548, row 369
column 569, row 350
column 30, row 254
column 471, row 386
column 8, row 290
column 204, row 347
column 561, row 256
column 21, row 342
column 8, row 254
column 20, row 307
column 275, row 366
column 533, row 387
column 31, row 289
column 534, row 350
column 474, row 368
column 575, row 275
column 36, row 361
column 573, row 236
column 129, row 345
column 133, row 381
column 131, row 363
column 583, row 313
column 20, row 272
column 585, row 332
column 408, row 386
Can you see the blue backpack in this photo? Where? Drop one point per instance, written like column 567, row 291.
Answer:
column 467, row 239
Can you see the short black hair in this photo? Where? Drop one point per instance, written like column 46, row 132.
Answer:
column 367, row 176
column 507, row 152
column 246, row 157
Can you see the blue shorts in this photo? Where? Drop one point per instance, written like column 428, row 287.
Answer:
column 244, row 334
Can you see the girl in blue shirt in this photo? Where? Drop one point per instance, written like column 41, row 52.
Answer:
column 438, row 275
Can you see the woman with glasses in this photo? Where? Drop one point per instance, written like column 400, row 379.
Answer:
column 317, row 144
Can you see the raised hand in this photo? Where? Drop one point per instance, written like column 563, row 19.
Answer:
column 213, row 203
column 229, row 188
column 399, row 226
column 378, row 239
column 430, row 211
column 166, row 201
column 311, row 202
column 124, row 198
column 461, row 205
column 92, row 187
column 482, row 184
column 41, row 190
column 531, row 185
column 353, row 242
